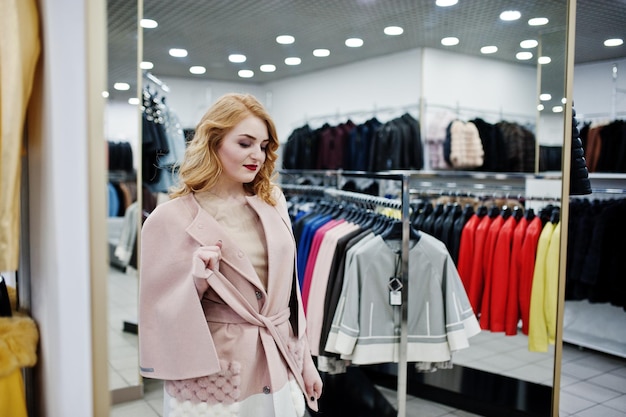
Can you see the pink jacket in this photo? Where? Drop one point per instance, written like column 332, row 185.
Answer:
column 237, row 321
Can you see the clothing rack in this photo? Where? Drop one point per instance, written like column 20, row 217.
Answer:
column 149, row 76
column 500, row 114
column 600, row 118
column 401, row 310
column 360, row 114
column 584, row 321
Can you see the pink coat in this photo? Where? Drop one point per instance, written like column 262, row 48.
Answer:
column 237, row 321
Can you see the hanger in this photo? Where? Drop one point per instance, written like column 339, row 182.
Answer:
column 555, row 215
column 505, row 212
column 394, row 231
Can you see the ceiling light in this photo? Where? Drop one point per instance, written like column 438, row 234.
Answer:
column 146, row 65
column 321, row 52
column 613, row 42
column 393, row 30
column 285, row 39
column 354, row 42
column 148, row 23
column 509, row 15
column 545, row 96
column 557, row 109
column 491, row 49
column 544, row 60
column 197, row 69
column 133, row 100
column 121, row 86
column 528, row 43
column 540, row 107
column 450, row 41
column 524, row 56
column 268, row 68
column 564, row 100
column 446, row 3
column 246, row 73
column 178, row 52
column 293, row 60
column 538, row 21
column 105, row 94
column 237, row 58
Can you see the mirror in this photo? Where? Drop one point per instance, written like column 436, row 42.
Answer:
column 122, row 134
column 387, row 77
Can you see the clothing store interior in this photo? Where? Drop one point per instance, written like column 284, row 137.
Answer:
column 492, row 126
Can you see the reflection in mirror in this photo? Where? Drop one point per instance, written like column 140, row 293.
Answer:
column 433, row 84
column 123, row 147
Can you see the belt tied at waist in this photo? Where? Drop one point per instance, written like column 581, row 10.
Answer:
column 238, row 310
column 224, row 313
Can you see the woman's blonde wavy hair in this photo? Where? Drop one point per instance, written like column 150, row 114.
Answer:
column 201, row 166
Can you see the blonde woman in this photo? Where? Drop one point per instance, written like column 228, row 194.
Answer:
column 220, row 315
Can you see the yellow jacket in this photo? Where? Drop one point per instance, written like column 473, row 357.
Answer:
column 544, row 294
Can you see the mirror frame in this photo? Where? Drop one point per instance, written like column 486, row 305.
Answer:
column 565, row 170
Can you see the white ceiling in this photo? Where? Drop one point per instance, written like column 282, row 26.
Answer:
column 212, row 29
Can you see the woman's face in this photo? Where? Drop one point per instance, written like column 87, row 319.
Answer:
column 242, row 151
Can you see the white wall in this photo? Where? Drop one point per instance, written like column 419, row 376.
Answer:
column 596, row 94
column 475, row 85
column 189, row 99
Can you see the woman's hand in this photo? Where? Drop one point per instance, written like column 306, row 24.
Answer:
column 206, row 259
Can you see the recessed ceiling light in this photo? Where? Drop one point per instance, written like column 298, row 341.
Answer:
column 446, row 3
column 564, row 100
column 237, row 58
column 146, row 65
column 613, row 42
column 540, row 107
column 491, row 49
column 285, row 39
column 545, row 96
column 544, row 60
column 524, row 56
column 246, row 73
column 293, row 60
column 105, row 94
column 354, row 42
column 268, row 68
column 393, row 30
column 133, row 100
column 528, row 43
column 557, row 109
column 148, row 23
column 538, row 21
column 509, row 15
column 450, row 41
column 321, row 52
column 121, row 86
column 178, row 52
column 197, row 69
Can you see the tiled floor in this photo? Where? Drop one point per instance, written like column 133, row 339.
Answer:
column 592, row 384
